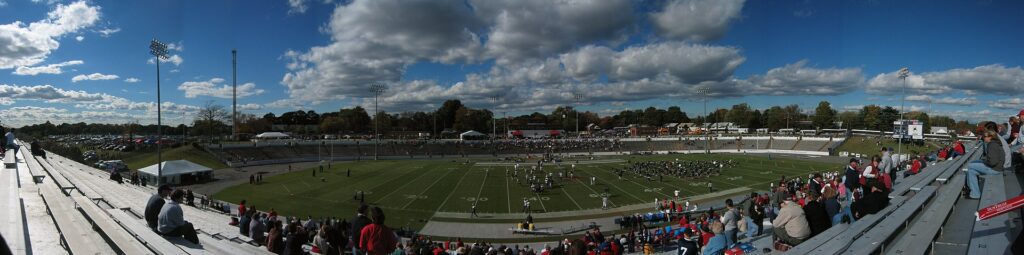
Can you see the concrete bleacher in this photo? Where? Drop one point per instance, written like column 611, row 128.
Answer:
column 129, row 202
column 919, row 205
column 40, row 217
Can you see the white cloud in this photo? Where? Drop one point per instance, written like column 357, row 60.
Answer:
column 990, row 79
column 965, row 101
column 47, row 69
column 797, row 79
column 93, row 77
column 99, row 107
column 106, row 32
column 1015, row 103
column 131, row 80
column 531, row 29
column 249, row 107
column 79, row 38
column 179, row 47
column 26, row 45
column 297, row 6
column 214, row 88
column 173, row 59
column 6, row 101
column 696, row 19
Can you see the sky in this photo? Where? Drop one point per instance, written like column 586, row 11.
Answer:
column 74, row 61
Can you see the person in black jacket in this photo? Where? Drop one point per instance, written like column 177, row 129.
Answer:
column 816, row 215
column 156, row 202
column 756, row 212
column 872, row 202
column 358, row 223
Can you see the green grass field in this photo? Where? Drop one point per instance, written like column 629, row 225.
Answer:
column 411, row 191
column 869, row 146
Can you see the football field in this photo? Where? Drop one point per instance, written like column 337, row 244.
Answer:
column 410, row 191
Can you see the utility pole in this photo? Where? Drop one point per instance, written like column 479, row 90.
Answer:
column 494, row 121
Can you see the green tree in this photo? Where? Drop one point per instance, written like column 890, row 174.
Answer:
column 824, row 115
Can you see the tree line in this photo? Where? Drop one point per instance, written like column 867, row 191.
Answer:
column 454, row 116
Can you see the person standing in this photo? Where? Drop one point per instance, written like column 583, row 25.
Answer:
column 604, row 202
column 473, row 211
column 885, row 165
column 9, row 143
column 376, row 238
column 155, row 204
column 756, row 212
column 358, row 223
column 729, row 218
column 171, row 222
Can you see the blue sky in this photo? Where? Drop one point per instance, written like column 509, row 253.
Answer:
column 70, row 61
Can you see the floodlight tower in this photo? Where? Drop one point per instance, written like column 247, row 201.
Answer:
column 904, row 73
column 234, row 96
column 159, row 51
column 704, row 92
column 376, row 89
column 578, row 96
column 494, row 121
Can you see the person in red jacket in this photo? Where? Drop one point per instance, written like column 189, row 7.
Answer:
column 915, row 167
column 241, row 208
column 376, row 238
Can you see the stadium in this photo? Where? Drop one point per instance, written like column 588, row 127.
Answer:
column 437, row 127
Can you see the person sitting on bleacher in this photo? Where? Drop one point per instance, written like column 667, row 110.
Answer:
column 257, row 229
column 991, row 163
column 156, row 202
column 717, row 244
column 791, row 226
column 876, row 198
column 172, row 222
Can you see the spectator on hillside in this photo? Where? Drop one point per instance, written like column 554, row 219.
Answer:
column 156, row 202
column 257, row 229
column 816, row 214
column 873, row 201
column 171, row 222
column 990, row 163
column 717, row 244
column 791, row 226
column 376, row 238
column 358, row 222
column 729, row 218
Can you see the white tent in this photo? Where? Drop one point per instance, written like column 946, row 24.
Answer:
column 272, row 135
column 470, row 135
column 177, row 172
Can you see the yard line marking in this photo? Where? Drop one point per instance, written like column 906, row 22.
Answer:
column 286, row 188
column 623, row 191
column 422, row 173
column 453, row 191
column 541, row 202
column 482, row 185
column 595, row 191
column 508, row 192
column 428, row 188
column 571, row 199
column 304, row 182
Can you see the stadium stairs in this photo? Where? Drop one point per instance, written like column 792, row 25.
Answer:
column 57, row 206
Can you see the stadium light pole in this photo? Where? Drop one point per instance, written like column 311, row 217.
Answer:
column 159, row 51
column 234, row 96
column 904, row 73
column 578, row 96
column 707, row 143
column 494, row 121
column 377, row 89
